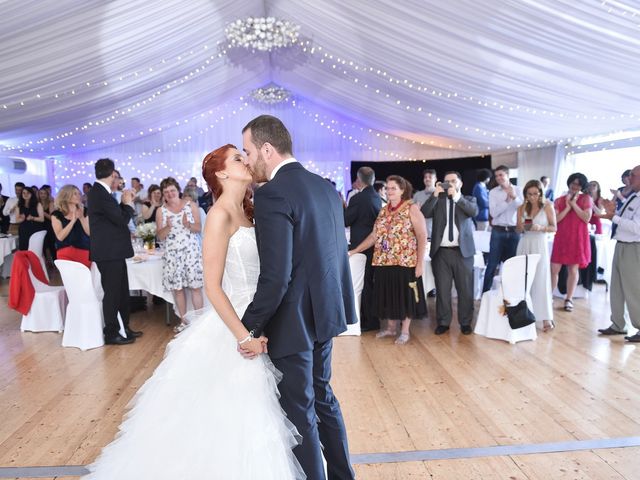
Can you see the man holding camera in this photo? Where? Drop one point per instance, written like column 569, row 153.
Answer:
column 452, row 250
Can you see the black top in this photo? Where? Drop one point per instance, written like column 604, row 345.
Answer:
column 152, row 218
column 77, row 236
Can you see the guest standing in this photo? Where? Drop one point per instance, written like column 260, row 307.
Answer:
column 360, row 216
column 598, row 206
column 11, row 210
column 110, row 246
column 30, row 218
column 625, row 289
column 4, row 219
column 399, row 240
column 452, row 251
column 153, row 203
column 71, row 226
column 178, row 221
column 572, row 245
column 504, row 200
column 536, row 218
column 481, row 194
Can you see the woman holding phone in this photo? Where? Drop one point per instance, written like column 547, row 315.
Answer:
column 536, row 217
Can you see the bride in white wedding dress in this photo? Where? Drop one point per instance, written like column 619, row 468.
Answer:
column 208, row 413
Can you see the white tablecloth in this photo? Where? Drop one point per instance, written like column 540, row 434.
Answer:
column 7, row 245
column 147, row 275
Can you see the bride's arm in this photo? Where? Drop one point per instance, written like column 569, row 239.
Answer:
column 217, row 232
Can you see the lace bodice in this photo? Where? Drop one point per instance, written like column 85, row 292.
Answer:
column 241, row 268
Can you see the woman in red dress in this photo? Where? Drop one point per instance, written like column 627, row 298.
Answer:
column 572, row 246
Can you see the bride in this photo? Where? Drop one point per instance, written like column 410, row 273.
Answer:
column 207, row 412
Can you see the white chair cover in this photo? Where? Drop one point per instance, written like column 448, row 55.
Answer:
column 36, row 245
column 357, row 262
column 84, row 312
column 482, row 241
column 47, row 309
column 492, row 323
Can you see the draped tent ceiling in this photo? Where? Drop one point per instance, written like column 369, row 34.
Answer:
column 393, row 79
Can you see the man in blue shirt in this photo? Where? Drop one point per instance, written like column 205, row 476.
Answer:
column 481, row 193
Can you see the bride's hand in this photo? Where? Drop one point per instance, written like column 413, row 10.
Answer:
column 253, row 347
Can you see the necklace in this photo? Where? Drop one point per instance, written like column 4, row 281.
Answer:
column 393, row 209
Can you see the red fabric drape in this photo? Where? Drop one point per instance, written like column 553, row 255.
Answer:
column 21, row 291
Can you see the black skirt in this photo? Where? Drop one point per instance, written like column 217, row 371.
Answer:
column 394, row 296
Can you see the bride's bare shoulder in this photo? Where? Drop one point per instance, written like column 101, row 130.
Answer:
column 219, row 222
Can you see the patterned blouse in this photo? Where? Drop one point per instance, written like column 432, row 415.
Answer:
column 396, row 242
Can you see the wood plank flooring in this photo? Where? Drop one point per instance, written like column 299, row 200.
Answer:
column 60, row 406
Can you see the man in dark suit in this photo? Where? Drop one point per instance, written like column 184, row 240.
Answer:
column 452, row 250
column 110, row 246
column 360, row 216
column 4, row 219
column 304, row 296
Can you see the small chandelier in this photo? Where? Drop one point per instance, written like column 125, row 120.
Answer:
column 262, row 33
column 271, row 94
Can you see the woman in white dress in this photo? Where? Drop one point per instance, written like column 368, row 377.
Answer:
column 536, row 218
column 208, row 413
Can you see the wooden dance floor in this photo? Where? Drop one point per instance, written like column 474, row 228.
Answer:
column 566, row 406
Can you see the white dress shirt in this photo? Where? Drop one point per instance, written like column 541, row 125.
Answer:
column 10, row 203
column 628, row 229
column 280, row 165
column 504, row 212
column 456, row 234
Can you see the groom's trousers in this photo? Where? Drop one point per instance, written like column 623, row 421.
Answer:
column 308, row 400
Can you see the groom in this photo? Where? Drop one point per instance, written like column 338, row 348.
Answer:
column 304, row 296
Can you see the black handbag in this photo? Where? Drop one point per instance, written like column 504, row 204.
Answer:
column 519, row 315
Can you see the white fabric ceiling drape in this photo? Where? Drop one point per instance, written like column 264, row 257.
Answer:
column 463, row 76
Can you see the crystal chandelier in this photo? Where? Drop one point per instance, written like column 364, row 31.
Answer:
column 270, row 94
column 261, row 33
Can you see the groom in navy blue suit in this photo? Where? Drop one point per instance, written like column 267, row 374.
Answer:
column 304, row 296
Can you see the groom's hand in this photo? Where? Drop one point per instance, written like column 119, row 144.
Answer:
column 253, row 348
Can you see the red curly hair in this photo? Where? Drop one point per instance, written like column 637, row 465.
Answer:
column 214, row 162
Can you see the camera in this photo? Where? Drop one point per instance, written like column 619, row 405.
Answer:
column 445, row 186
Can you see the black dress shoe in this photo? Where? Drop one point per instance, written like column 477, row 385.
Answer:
column 132, row 333
column 440, row 329
column 611, row 331
column 119, row 340
column 432, row 293
column 466, row 329
column 633, row 338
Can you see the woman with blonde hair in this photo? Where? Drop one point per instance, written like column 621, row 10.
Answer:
column 536, row 217
column 71, row 226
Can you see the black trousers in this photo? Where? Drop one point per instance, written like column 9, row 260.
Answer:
column 115, row 284
column 450, row 266
column 309, row 402
column 368, row 320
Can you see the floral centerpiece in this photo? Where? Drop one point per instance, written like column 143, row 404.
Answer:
column 147, row 232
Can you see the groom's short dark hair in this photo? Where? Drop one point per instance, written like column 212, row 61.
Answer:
column 269, row 129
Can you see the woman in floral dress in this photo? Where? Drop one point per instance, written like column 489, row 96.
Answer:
column 178, row 223
column 399, row 239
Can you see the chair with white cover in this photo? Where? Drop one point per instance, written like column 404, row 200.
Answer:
column 47, row 309
column 84, row 312
column 36, row 245
column 492, row 320
column 357, row 262
column 482, row 241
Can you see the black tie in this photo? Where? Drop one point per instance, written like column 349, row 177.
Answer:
column 451, row 204
column 627, row 204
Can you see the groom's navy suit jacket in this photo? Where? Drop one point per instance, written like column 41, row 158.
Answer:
column 304, row 292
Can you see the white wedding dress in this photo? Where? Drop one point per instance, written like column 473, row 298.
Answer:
column 207, row 413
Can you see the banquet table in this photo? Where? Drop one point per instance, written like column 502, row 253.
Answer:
column 144, row 271
column 7, row 245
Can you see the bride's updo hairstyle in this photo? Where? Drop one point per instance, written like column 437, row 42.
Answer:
column 214, row 162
